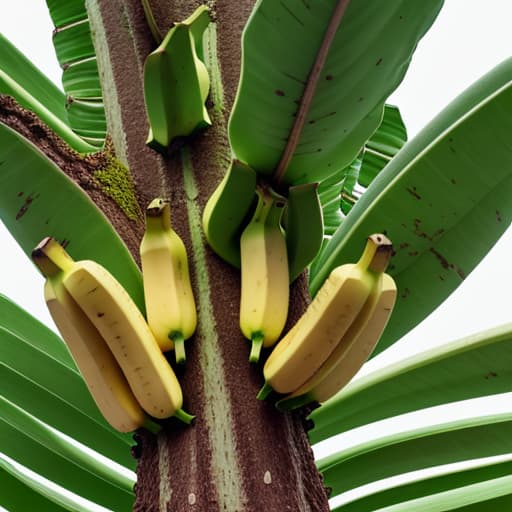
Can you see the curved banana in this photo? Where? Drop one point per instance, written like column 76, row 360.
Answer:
column 170, row 305
column 329, row 317
column 355, row 348
column 304, row 227
column 122, row 326
column 100, row 371
column 265, row 281
column 227, row 210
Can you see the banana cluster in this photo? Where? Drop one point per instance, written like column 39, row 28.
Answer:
column 271, row 238
column 118, row 353
column 337, row 333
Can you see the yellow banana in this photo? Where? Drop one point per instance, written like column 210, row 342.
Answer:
column 265, row 275
column 329, row 317
column 170, row 305
column 356, row 347
column 100, row 371
column 122, row 326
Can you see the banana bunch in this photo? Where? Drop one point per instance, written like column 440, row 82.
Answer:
column 338, row 331
column 110, row 341
column 170, row 305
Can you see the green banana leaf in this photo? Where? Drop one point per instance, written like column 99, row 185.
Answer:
column 66, row 13
column 430, row 487
column 29, row 187
column 48, row 438
column 22, row 71
column 366, row 60
column 338, row 192
column 80, row 77
column 38, row 375
column 413, row 449
column 444, row 200
column 22, row 492
column 471, row 367
column 20, row 79
column 63, row 471
column 492, row 495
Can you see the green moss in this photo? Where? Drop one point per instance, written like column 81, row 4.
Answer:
column 116, row 182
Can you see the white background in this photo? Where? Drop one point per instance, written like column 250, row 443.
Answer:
column 468, row 39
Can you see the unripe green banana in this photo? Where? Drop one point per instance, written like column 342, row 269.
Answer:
column 176, row 83
column 98, row 367
column 304, row 227
column 265, row 275
column 327, row 320
column 352, row 351
column 170, row 305
column 228, row 211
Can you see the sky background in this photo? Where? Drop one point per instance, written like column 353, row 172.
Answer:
column 466, row 41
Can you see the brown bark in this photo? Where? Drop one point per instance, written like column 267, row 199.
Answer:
column 240, row 454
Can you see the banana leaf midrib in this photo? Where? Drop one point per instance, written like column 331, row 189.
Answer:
column 495, row 335
column 415, row 433
column 309, row 90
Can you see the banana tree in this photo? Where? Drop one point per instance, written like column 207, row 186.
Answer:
column 296, row 91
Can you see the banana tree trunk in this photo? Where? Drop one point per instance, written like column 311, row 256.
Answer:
column 240, row 454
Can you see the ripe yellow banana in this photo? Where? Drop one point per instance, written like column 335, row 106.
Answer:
column 122, row 326
column 356, row 347
column 170, row 305
column 100, row 371
column 265, row 275
column 329, row 317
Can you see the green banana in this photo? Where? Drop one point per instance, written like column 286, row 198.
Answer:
column 304, row 227
column 227, row 211
column 176, row 83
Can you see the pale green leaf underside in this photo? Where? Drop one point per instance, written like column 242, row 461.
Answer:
column 418, row 448
column 37, row 374
column 448, row 487
column 444, row 200
column 39, row 200
column 367, row 60
column 36, row 457
column 21, row 492
column 492, row 495
column 474, row 366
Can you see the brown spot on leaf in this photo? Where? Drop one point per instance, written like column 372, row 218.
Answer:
column 498, row 216
column 20, row 194
column 379, row 62
column 329, row 77
column 413, row 253
column 405, row 293
column 490, row 375
column 278, row 92
column 403, row 245
column 24, row 208
column 413, row 192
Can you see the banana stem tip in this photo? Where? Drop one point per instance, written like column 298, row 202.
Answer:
column 179, row 347
column 257, row 343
